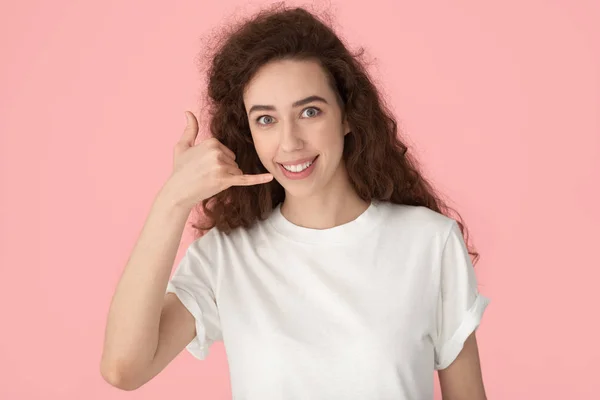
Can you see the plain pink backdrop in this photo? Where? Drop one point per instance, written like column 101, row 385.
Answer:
column 501, row 102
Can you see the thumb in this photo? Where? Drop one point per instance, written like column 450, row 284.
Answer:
column 191, row 129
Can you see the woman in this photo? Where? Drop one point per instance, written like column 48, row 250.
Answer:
column 325, row 262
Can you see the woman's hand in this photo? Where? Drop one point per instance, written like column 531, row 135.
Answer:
column 202, row 170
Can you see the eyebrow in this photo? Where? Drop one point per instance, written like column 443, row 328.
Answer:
column 298, row 103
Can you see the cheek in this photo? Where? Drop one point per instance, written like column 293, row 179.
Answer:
column 264, row 148
column 329, row 136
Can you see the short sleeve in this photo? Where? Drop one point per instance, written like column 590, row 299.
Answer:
column 460, row 306
column 193, row 283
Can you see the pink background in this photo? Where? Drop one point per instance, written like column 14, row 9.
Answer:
column 500, row 101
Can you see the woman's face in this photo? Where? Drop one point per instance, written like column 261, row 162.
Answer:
column 296, row 124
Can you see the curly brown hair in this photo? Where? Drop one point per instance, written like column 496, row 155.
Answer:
column 378, row 162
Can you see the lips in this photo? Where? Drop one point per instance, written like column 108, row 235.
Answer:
column 298, row 162
column 301, row 168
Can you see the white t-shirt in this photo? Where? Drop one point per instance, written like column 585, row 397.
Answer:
column 364, row 310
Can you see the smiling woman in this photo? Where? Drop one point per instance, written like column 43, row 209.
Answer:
column 336, row 273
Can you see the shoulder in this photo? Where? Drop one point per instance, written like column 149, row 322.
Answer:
column 416, row 219
column 216, row 242
column 208, row 240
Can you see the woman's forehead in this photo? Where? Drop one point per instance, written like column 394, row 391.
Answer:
column 282, row 83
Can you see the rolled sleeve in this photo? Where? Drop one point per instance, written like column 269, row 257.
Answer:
column 193, row 283
column 198, row 347
column 460, row 306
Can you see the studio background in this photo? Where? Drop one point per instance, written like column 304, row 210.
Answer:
column 499, row 100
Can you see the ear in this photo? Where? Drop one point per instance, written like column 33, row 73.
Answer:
column 346, row 127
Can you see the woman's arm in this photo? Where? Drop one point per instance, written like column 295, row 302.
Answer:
column 134, row 323
column 462, row 380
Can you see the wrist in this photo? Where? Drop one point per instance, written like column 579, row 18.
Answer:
column 168, row 200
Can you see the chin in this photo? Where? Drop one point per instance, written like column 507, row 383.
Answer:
column 298, row 191
column 297, row 188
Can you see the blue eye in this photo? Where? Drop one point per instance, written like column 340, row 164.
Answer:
column 262, row 118
column 313, row 112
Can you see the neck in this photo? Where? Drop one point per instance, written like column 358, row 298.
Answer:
column 336, row 204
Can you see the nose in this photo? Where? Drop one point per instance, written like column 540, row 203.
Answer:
column 290, row 138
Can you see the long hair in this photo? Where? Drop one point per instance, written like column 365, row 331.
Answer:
column 378, row 162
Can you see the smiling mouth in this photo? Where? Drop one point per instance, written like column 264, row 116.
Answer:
column 296, row 168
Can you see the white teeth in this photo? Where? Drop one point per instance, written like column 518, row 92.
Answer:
column 299, row 167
